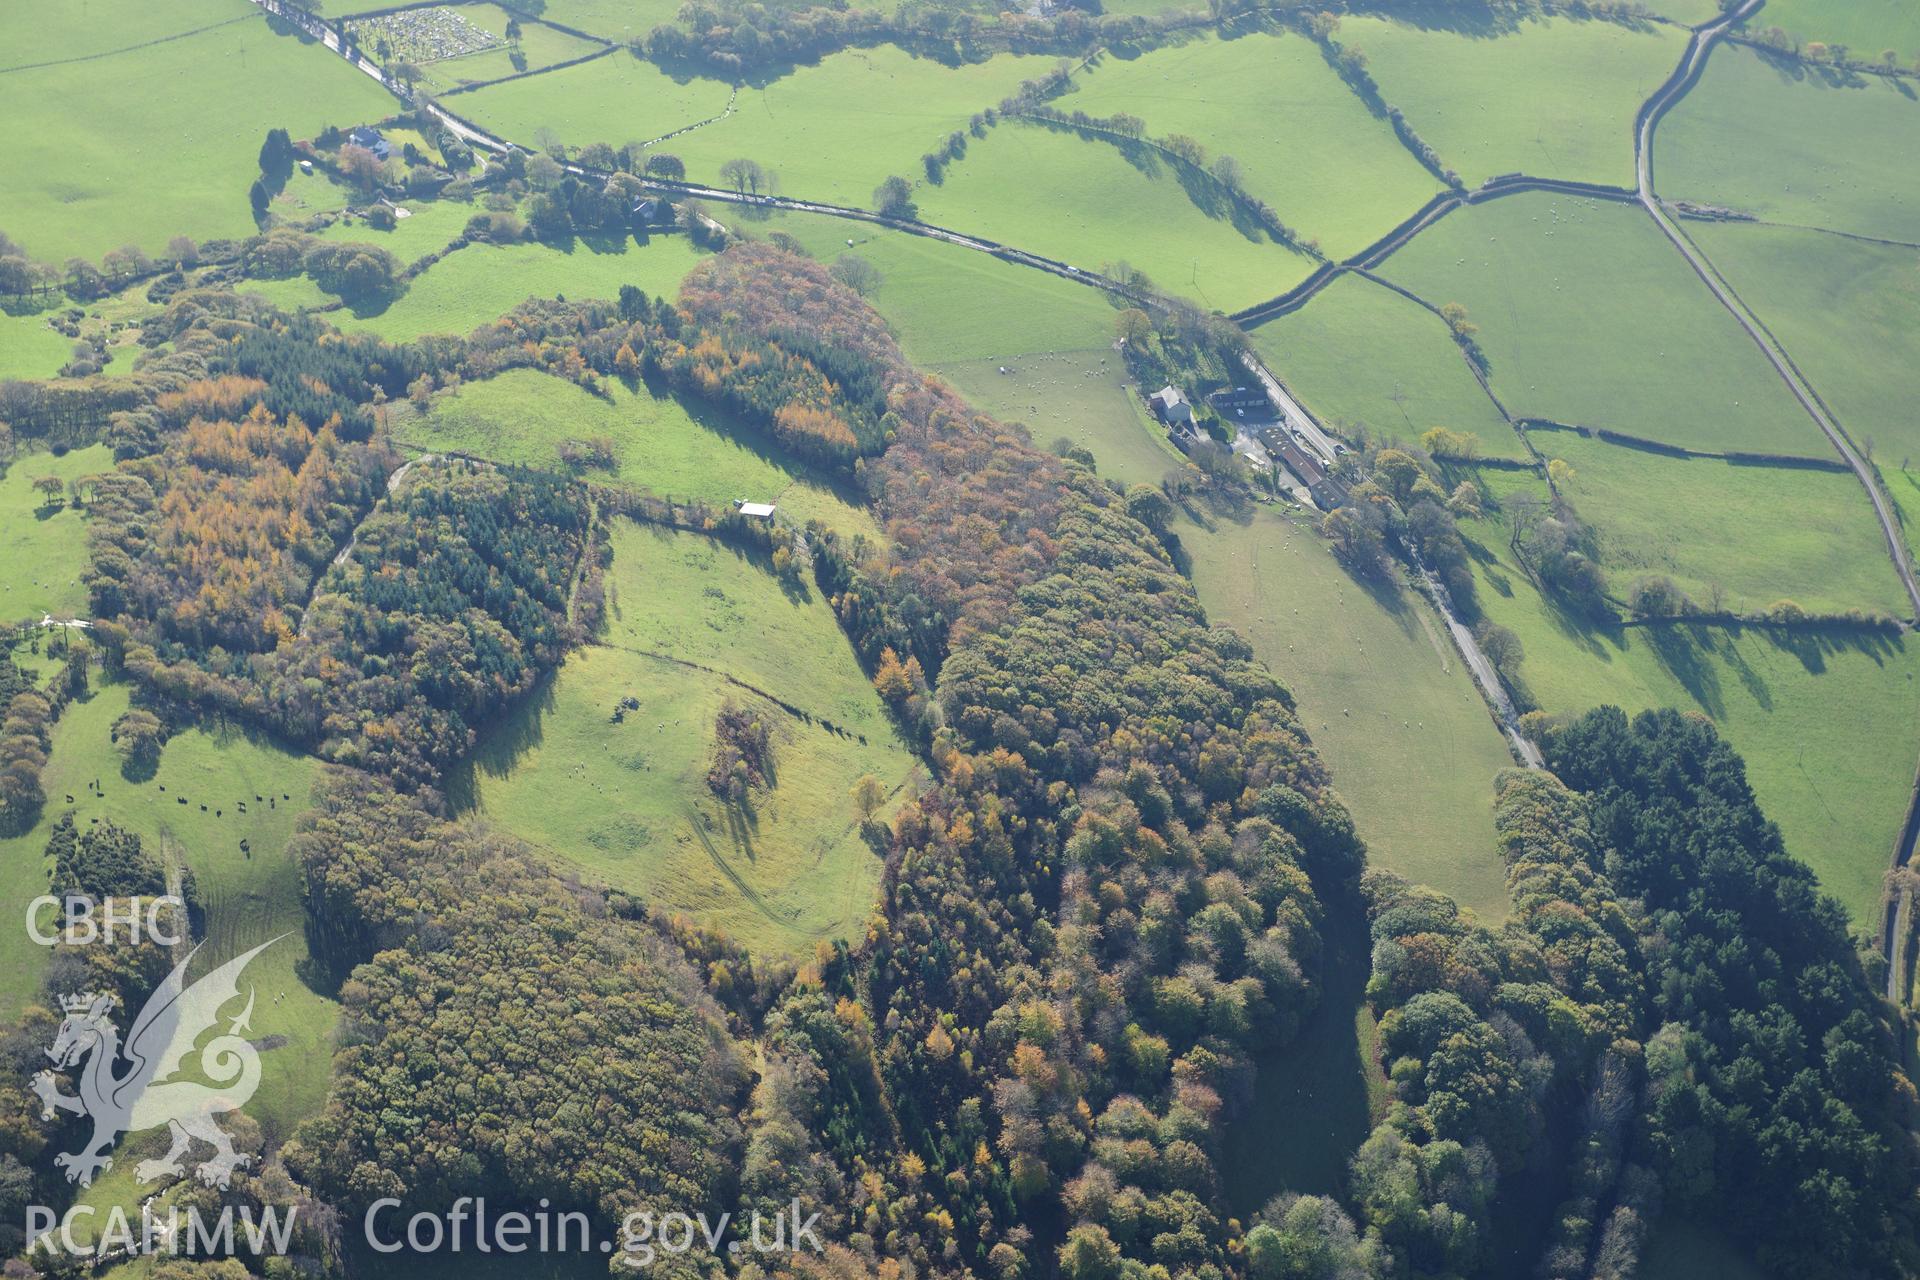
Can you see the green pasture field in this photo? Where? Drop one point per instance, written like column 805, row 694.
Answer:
column 1084, row 204
column 30, row 347
column 621, row 20
column 1309, row 146
column 249, row 898
column 1021, row 345
column 1795, row 144
column 483, row 282
column 137, row 147
column 836, row 130
column 1588, row 316
column 1360, row 353
column 1687, row 12
column 292, row 294
column 430, row 225
column 1381, row 691
column 1551, row 97
column 1827, row 720
column 663, row 445
column 690, row 623
column 1865, row 26
column 307, row 194
column 945, row 303
column 32, row 34
column 615, row 100
column 1847, row 312
column 1083, row 397
column 1703, row 521
column 46, row 547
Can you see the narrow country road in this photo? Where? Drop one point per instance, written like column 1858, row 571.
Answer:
column 1483, row 674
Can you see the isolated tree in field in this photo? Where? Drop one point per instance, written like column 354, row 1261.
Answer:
column 276, row 155
column 894, row 197
column 868, row 795
column 663, row 165
column 855, row 272
column 51, row 488
column 258, row 198
column 139, row 735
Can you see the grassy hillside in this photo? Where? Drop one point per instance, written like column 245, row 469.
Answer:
column 661, row 445
column 1865, row 26
column 135, row 147
column 483, row 282
column 1344, row 181
column 1793, row 144
column 1587, row 315
column 1799, row 706
column 1381, row 690
column 1553, row 97
column 46, row 546
column 692, row 623
column 834, row 131
column 616, row 99
column 1083, row 203
column 1847, row 311
column 1705, row 522
column 945, row 303
column 1359, row 353
column 250, row 896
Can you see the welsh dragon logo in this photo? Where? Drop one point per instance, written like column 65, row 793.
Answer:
column 144, row 1096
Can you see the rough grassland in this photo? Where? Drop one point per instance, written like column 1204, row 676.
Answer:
column 614, row 100
column 1552, row 97
column 1084, row 204
column 1829, row 722
column 1793, row 144
column 629, row 803
column 44, row 547
column 1360, row 353
column 483, row 282
column 1848, row 312
column 1589, row 316
column 1703, row 521
column 1381, row 691
column 661, row 444
column 834, row 131
column 30, row 347
column 1865, row 26
column 249, row 899
column 1309, row 146
column 140, row 146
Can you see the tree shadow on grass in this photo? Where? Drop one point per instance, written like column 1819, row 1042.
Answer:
column 515, row 733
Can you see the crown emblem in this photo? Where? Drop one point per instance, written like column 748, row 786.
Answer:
column 78, row 1003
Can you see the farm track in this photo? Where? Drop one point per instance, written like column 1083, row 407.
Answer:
column 1675, row 88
